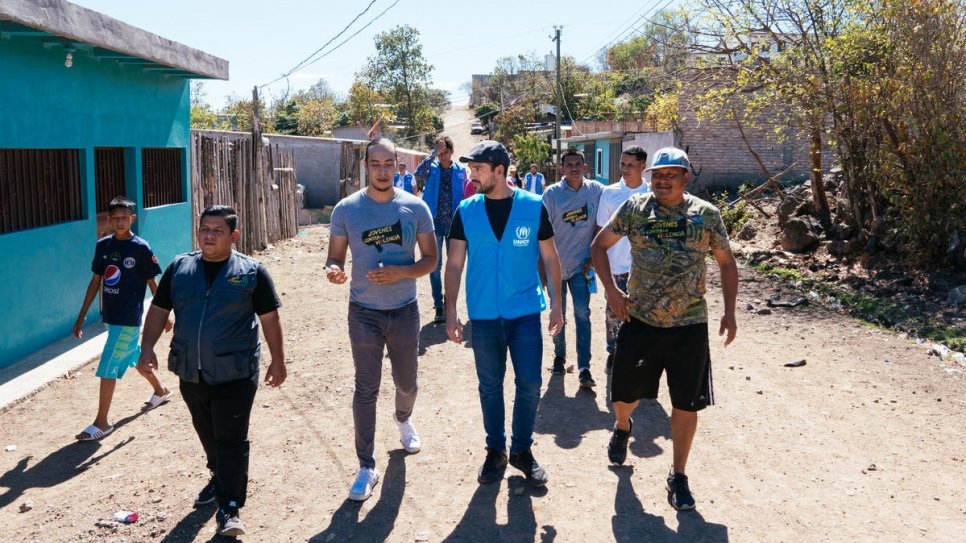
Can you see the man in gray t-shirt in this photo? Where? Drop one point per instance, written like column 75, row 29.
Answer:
column 572, row 205
column 382, row 226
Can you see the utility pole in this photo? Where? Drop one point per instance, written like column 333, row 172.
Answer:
column 557, row 131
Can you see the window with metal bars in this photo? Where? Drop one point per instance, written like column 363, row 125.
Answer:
column 108, row 175
column 161, row 173
column 39, row 187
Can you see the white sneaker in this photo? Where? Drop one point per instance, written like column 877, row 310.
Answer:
column 408, row 436
column 361, row 489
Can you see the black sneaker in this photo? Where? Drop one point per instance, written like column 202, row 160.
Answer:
column 440, row 317
column 558, row 365
column 678, row 493
column 525, row 462
column 617, row 448
column 586, row 381
column 609, row 368
column 229, row 524
column 207, row 494
column 493, row 467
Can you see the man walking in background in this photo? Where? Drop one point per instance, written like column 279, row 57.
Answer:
column 442, row 183
column 633, row 161
column 572, row 206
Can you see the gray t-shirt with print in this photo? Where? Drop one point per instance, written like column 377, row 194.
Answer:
column 381, row 232
column 574, row 217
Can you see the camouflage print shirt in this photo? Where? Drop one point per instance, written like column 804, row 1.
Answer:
column 669, row 246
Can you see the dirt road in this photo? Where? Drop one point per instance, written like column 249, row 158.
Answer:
column 863, row 443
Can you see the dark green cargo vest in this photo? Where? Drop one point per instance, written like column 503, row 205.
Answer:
column 215, row 329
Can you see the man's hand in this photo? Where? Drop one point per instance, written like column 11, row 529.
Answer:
column 556, row 321
column 335, row 275
column 386, row 275
column 168, row 324
column 728, row 324
column 148, row 362
column 276, row 374
column 79, row 328
column 440, row 146
column 617, row 300
column 453, row 328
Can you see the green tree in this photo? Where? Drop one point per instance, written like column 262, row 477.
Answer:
column 202, row 114
column 399, row 72
column 531, row 148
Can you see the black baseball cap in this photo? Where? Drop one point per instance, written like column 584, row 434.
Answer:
column 492, row 152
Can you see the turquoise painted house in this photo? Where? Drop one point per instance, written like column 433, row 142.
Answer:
column 602, row 151
column 90, row 108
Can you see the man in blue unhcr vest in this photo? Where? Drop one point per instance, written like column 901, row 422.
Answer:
column 442, row 182
column 505, row 232
column 216, row 294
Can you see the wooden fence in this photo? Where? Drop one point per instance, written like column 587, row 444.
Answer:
column 261, row 188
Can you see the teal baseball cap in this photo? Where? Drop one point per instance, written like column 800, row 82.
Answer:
column 669, row 157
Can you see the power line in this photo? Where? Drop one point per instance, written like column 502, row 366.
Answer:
column 634, row 27
column 307, row 62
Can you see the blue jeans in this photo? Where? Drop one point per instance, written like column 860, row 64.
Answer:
column 580, row 292
column 435, row 281
column 491, row 338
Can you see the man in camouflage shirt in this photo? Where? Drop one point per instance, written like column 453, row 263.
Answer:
column 665, row 314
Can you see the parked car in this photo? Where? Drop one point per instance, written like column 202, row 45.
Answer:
column 476, row 128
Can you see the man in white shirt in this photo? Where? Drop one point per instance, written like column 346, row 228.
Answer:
column 633, row 162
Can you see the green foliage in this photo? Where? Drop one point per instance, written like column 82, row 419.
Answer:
column 401, row 74
column 881, row 80
column 873, row 309
column 486, row 111
column 735, row 213
column 531, row 148
column 202, row 114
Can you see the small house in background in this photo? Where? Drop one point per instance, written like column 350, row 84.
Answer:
column 92, row 108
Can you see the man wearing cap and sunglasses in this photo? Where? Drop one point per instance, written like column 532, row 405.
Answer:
column 504, row 231
column 665, row 313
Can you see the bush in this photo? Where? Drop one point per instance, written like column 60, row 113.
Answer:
column 734, row 213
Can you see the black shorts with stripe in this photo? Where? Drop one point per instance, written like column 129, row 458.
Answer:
column 644, row 352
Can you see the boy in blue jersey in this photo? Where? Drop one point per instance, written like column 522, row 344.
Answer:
column 124, row 265
column 505, row 232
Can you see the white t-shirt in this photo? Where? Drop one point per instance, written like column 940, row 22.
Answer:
column 611, row 198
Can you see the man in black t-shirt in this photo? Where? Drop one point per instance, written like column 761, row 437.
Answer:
column 215, row 294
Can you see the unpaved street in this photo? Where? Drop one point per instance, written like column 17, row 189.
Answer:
column 863, row 443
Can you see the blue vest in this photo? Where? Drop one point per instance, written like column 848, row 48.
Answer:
column 431, row 189
column 533, row 183
column 215, row 329
column 502, row 279
column 406, row 184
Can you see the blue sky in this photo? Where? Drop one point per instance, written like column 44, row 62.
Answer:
column 261, row 40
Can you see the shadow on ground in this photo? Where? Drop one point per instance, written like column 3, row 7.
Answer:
column 569, row 418
column 479, row 520
column 632, row 524
column 58, row 467
column 378, row 523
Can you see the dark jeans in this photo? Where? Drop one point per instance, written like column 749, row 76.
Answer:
column 435, row 276
column 580, row 292
column 491, row 340
column 371, row 332
column 220, row 415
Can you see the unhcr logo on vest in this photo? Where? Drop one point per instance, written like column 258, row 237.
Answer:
column 523, row 237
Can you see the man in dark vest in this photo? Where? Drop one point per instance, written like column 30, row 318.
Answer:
column 216, row 294
column 504, row 231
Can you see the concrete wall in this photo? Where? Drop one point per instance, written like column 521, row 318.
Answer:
column 96, row 103
column 717, row 151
